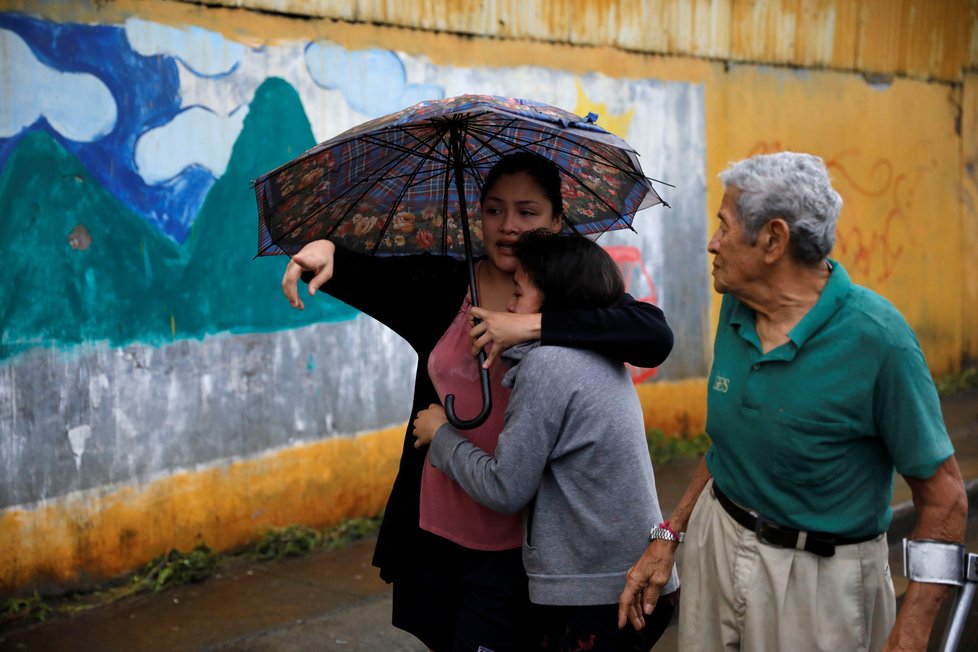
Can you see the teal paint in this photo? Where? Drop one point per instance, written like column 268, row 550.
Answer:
column 310, row 363
column 133, row 283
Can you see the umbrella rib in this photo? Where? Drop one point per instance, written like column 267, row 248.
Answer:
column 449, row 176
column 380, row 178
column 473, row 165
column 404, row 189
column 365, row 183
column 329, row 145
column 487, row 144
column 551, row 136
column 580, row 182
column 489, row 133
column 476, row 127
column 598, row 155
column 373, row 140
column 444, row 207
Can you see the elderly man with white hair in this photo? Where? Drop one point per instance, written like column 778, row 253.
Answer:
column 819, row 393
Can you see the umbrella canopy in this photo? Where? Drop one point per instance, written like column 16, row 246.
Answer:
column 389, row 186
column 404, row 183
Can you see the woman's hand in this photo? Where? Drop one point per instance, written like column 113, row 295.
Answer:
column 315, row 257
column 502, row 329
column 427, row 423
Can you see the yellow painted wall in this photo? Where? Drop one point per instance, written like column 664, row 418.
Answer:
column 969, row 217
column 92, row 535
column 903, row 156
column 893, row 154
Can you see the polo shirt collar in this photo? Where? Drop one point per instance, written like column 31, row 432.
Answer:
column 832, row 298
column 829, row 301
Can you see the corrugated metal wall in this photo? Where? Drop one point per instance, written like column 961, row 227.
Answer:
column 929, row 39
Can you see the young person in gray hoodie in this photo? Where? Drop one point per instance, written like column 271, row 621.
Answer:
column 573, row 456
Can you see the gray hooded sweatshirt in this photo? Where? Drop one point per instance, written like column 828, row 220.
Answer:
column 573, row 453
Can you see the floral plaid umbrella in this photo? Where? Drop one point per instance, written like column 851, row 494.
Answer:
column 404, row 183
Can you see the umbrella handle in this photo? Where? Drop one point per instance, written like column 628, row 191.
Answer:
column 486, row 402
column 455, row 142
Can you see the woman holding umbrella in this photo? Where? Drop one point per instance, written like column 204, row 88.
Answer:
column 456, row 566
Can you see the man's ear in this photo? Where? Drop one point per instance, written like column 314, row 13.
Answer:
column 774, row 239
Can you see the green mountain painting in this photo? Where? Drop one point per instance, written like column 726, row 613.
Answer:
column 79, row 266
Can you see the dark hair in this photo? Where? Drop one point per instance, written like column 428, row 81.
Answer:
column 541, row 169
column 570, row 271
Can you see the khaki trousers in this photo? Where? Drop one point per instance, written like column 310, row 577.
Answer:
column 740, row 594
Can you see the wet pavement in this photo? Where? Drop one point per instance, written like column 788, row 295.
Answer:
column 334, row 600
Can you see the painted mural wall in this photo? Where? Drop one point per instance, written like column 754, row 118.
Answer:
column 142, row 340
column 156, row 390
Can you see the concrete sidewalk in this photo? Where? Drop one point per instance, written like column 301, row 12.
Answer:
column 334, row 600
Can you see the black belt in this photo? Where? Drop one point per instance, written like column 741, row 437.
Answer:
column 769, row 532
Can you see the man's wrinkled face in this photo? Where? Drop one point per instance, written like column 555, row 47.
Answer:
column 735, row 260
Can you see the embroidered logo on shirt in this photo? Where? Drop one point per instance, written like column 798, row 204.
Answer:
column 721, row 384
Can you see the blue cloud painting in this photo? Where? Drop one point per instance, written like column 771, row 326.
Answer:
column 153, row 111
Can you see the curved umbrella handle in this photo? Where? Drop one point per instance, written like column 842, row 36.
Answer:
column 455, row 142
column 486, row 402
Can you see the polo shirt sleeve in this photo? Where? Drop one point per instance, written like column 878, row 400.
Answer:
column 907, row 412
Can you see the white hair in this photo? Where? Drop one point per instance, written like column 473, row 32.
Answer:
column 793, row 186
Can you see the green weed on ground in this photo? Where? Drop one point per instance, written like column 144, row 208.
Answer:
column 33, row 607
column 297, row 540
column 947, row 385
column 664, row 448
column 175, row 568
column 293, row 541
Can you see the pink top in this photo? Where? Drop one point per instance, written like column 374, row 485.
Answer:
column 446, row 510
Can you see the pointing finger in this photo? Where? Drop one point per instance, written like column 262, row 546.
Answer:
column 290, row 281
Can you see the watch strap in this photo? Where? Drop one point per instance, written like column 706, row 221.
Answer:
column 663, row 531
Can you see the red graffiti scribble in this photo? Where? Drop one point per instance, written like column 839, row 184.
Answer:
column 629, row 260
column 858, row 251
column 764, row 147
column 873, row 253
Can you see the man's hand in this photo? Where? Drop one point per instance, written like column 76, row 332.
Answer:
column 502, row 329
column 427, row 423
column 644, row 581
column 315, row 257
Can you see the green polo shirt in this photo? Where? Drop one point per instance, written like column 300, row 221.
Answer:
column 809, row 434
